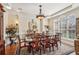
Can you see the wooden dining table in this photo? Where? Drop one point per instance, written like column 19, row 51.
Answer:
column 32, row 37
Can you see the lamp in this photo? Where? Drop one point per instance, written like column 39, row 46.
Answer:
column 40, row 16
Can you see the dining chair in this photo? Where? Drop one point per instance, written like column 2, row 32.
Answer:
column 58, row 38
column 36, row 45
column 46, row 44
column 22, row 44
column 55, row 42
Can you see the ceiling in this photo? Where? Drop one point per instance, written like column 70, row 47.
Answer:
column 32, row 9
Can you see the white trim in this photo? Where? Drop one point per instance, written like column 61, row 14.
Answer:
column 67, row 39
column 65, row 10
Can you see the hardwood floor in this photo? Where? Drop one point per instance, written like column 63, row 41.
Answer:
column 10, row 50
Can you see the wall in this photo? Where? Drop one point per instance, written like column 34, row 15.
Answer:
column 22, row 24
column 13, row 17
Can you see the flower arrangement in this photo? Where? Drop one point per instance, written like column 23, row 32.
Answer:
column 11, row 30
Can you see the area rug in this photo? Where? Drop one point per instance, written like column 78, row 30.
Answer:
column 62, row 50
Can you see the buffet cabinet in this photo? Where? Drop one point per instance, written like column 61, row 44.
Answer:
column 2, row 44
column 76, row 42
column 76, row 46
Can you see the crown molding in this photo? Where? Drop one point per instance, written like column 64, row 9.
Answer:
column 65, row 10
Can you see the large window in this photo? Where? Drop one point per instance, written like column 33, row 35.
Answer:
column 56, row 27
column 67, row 27
column 64, row 27
column 72, row 27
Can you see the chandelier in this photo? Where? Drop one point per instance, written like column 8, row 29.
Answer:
column 40, row 16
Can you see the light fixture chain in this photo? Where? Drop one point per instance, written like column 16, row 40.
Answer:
column 40, row 9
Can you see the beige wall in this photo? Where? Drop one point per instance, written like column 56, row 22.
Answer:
column 50, row 24
column 22, row 24
column 12, row 17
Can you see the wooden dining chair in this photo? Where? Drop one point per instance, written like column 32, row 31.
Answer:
column 22, row 44
column 46, row 44
column 52, row 43
column 36, row 45
column 55, row 42
column 58, row 38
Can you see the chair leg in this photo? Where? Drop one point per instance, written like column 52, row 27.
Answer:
column 19, row 51
column 33, row 51
column 60, row 43
column 53, row 47
column 44, row 50
column 57, row 46
column 40, row 51
column 49, row 49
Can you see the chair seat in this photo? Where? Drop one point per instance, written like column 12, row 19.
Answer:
column 24, row 44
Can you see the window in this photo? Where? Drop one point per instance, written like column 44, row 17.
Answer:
column 56, row 27
column 72, row 27
column 64, row 27
column 67, row 27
